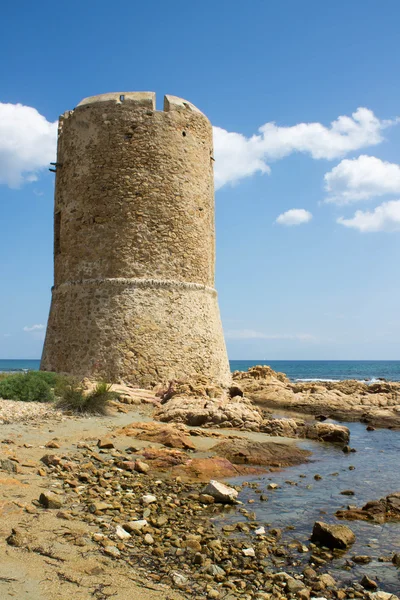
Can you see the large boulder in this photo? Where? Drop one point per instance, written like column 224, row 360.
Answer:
column 328, row 432
column 220, row 492
column 332, row 536
column 273, row 454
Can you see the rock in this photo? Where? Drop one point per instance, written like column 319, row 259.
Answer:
column 179, row 579
column 17, row 539
column 260, row 531
column 220, row 492
column 396, row 559
column 368, row 583
column 141, row 467
column 50, row 500
column 172, row 437
column 52, row 444
column 212, row 593
column 148, row 539
column 248, row 552
column 99, row 507
column 51, row 460
column 271, row 454
column 294, row 585
column 382, row 596
column 347, row 493
column 121, row 533
column 105, row 444
column 112, row 551
column 235, row 390
column 8, row 465
column 149, row 499
column 380, row 511
column 328, row 432
column 272, row 486
column 327, row 580
column 332, row 536
column 206, row 499
column 134, row 526
column 361, row 559
column 203, row 469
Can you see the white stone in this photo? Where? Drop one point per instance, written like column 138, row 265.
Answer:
column 220, row 492
column 260, row 531
column 121, row 533
column 248, row 552
column 149, row 499
column 136, row 525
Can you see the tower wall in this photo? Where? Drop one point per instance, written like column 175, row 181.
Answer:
column 134, row 246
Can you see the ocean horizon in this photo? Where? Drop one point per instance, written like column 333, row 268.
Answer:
column 296, row 370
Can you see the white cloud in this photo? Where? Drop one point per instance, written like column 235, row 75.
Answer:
column 294, row 216
column 27, row 143
column 238, row 156
column 360, row 179
column 249, row 334
column 34, row 327
column 385, row 217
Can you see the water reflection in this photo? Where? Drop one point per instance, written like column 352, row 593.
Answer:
column 371, row 473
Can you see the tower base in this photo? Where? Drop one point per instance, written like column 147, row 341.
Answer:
column 135, row 330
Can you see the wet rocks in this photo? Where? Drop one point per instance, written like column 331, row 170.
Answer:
column 220, row 492
column 243, row 451
column 380, row 511
column 332, row 536
column 368, row 583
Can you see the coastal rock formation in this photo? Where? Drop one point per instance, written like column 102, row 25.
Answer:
column 377, row 404
column 380, row 511
column 221, row 412
column 332, row 536
column 272, row 454
column 298, row 428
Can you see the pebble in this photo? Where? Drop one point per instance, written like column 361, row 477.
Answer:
column 149, row 499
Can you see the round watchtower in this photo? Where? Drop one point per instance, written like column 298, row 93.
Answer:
column 134, row 244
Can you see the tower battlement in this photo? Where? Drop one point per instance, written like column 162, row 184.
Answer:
column 134, row 243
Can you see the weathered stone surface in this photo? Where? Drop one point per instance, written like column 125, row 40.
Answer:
column 332, row 536
column 141, row 268
column 377, row 404
column 175, row 436
column 272, row 454
column 220, row 492
column 385, row 509
column 50, row 500
column 223, row 412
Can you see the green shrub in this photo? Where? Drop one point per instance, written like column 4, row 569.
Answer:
column 27, row 387
column 74, row 398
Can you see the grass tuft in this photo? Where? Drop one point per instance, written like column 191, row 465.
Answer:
column 73, row 397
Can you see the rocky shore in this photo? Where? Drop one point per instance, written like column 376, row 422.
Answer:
column 122, row 507
column 133, row 504
column 376, row 404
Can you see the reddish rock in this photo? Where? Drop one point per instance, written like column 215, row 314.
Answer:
column 247, row 452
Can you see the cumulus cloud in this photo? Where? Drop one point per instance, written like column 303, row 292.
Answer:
column 27, row 143
column 38, row 327
column 250, row 334
column 385, row 217
column 361, row 178
column 238, row 156
column 294, row 216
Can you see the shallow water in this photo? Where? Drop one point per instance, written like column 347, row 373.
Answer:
column 376, row 474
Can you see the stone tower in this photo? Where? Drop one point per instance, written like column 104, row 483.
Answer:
column 134, row 244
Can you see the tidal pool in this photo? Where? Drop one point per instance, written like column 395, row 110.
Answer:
column 371, row 473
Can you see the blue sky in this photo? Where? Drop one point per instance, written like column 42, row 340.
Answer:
column 318, row 283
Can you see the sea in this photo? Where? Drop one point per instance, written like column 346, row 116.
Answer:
column 297, row 370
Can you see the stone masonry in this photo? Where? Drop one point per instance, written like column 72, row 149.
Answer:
column 134, row 244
